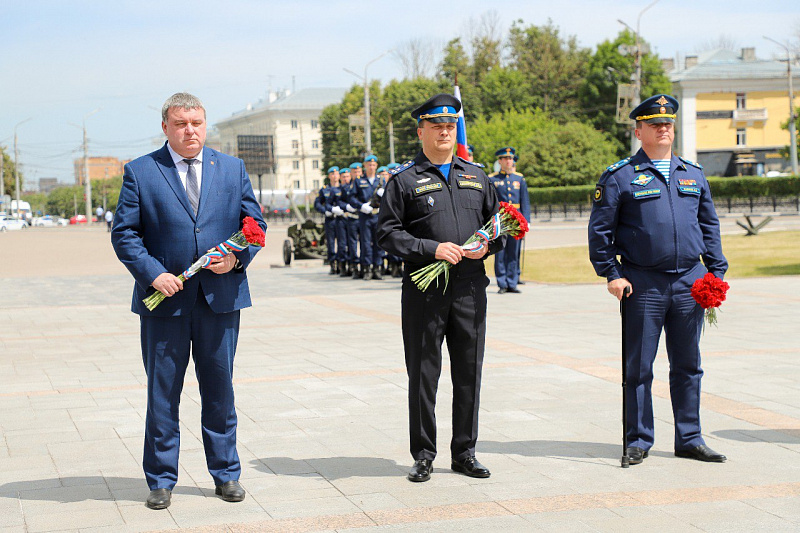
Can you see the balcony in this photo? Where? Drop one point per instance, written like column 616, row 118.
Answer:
column 750, row 115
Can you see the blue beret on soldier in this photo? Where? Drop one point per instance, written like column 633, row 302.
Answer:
column 356, row 165
column 656, row 110
column 441, row 107
column 371, row 157
column 392, row 166
column 333, row 169
column 344, row 170
column 381, row 169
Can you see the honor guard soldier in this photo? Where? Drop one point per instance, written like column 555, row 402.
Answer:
column 321, row 204
column 432, row 205
column 367, row 200
column 511, row 188
column 350, row 219
column 338, row 224
column 470, row 153
column 356, row 170
column 655, row 211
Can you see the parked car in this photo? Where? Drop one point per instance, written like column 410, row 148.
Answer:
column 7, row 223
column 48, row 221
column 77, row 219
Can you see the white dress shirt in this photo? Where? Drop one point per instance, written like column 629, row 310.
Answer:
column 183, row 167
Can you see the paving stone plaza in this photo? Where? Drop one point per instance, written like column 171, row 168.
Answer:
column 321, row 398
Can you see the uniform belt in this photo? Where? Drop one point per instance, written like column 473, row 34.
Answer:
column 351, row 215
column 374, row 211
column 515, row 206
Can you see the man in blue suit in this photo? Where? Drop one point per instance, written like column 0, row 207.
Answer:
column 175, row 204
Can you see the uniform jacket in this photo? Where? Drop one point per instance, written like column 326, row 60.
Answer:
column 512, row 188
column 322, row 199
column 155, row 229
column 651, row 224
column 420, row 209
column 363, row 191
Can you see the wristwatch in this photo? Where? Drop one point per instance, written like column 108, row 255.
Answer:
column 238, row 267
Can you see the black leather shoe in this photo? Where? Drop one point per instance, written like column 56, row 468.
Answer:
column 421, row 471
column 501, row 290
column 376, row 273
column 159, row 499
column 702, row 453
column 471, row 467
column 637, row 455
column 514, row 290
column 231, row 491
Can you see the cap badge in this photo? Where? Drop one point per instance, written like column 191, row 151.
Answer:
column 663, row 110
column 662, row 101
column 444, row 110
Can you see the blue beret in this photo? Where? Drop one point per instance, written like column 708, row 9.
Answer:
column 333, row 169
column 506, row 151
column 656, row 110
column 470, row 148
column 356, row 165
column 441, row 107
column 344, row 170
column 391, row 166
column 371, row 157
column 381, row 169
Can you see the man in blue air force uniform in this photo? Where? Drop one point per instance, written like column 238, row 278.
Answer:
column 175, row 204
column 322, row 205
column 511, row 188
column 368, row 192
column 350, row 218
column 655, row 211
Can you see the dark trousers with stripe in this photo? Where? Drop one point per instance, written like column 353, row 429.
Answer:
column 459, row 317
column 166, row 344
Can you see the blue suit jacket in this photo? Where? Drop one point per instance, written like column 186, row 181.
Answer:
column 156, row 231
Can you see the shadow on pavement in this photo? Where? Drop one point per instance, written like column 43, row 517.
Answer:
column 331, row 468
column 559, row 449
column 782, row 436
column 84, row 488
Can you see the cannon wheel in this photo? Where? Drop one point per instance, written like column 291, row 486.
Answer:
column 287, row 252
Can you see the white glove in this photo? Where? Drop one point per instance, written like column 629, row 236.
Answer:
column 337, row 211
column 350, row 208
column 366, row 209
column 328, row 214
column 380, row 192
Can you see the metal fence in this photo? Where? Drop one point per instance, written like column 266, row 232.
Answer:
column 747, row 206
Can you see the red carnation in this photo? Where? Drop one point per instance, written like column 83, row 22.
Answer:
column 710, row 291
column 253, row 232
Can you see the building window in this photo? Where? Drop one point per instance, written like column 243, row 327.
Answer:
column 296, row 165
column 741, row 101
column 315, row 144
column 294, row 124
column 741, row 137
column 315, row 184
column 314, row 124
column 295, row 145
column 315, row 163
column 296, row 184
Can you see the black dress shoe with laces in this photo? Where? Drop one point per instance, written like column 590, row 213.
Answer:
column 421, row 471
column 702, row 453
column 502, row 290
column 159, row 499
column 637, row 455
column 231, row 491
column 470, row 467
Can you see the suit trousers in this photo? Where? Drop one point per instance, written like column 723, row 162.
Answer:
column 506, row 263
column 663, row 301
column 459, row 316
column 166, row 344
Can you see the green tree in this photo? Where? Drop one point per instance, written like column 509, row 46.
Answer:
column 37, row 201
column 65, row 201
column 8, row 173
column 551, row 153
column 607, row 68
column 553, row 66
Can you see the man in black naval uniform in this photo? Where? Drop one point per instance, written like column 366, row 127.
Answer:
column 431, row 206
column 655, row 211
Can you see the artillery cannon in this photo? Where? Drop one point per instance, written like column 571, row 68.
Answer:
column 306, row 239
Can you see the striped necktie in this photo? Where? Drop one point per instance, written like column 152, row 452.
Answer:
column 192, row 190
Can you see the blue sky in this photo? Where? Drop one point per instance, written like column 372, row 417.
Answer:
column 62, row 59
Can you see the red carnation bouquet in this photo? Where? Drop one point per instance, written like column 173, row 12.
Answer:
column 251, row 234
column 710, row 291
column 509, row 221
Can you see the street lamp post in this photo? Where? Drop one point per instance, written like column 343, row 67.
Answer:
column 16, row 165
column 792, row 137
column 367, row 125
column 87, row 189
column 637, row 62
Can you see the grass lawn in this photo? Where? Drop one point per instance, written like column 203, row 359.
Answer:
column 768, row 254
